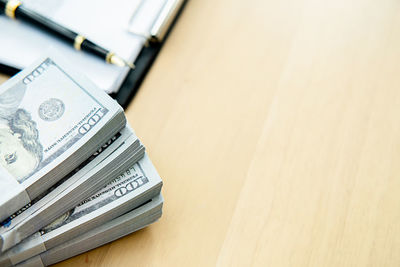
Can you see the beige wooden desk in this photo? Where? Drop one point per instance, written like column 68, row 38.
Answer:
column 276, row 128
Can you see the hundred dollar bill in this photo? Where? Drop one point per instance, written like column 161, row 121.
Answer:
column 122, row 152
column 135, row 186
column 51, row 120
column 110, row 231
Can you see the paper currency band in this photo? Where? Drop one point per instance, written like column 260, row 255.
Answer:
column 109, row 57
column 11, row 6
column 78, row 42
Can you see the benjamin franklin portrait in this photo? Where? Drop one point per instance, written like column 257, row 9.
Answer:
column 20, row 149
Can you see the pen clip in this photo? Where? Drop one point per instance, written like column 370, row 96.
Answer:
column 164, row 20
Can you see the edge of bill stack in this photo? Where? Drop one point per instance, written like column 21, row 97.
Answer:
column 132, row 188
column 121, row 226
column 113, row 158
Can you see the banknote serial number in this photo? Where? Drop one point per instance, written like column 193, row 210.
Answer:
column 39, row 70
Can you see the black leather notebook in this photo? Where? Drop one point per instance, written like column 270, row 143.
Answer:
column 143, row 62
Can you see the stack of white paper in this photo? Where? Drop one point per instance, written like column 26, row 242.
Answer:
column 109, row 24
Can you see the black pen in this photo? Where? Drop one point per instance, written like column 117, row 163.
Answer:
column 16, row 10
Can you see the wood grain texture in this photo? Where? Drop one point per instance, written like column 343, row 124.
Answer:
column 3, row 78
column 274, row 125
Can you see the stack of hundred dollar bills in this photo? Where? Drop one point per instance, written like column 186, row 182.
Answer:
column 73, row 174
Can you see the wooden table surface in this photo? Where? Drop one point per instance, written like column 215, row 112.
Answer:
column 275, row 127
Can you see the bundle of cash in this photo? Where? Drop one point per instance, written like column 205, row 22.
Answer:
column 51, row 120
column 91, row 181
column 112, row 230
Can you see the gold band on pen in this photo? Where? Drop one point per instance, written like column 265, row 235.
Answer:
column 78, row 41
column 11, row 6
column 109, row 57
